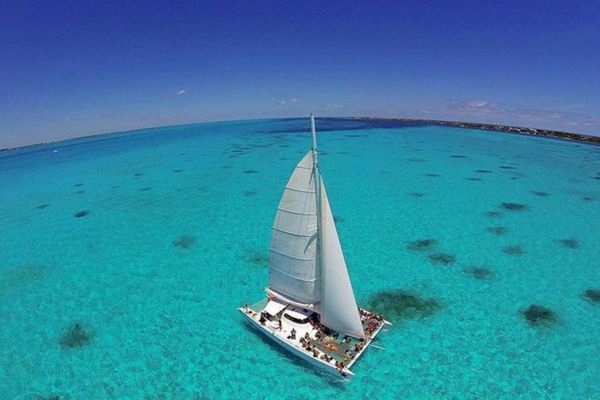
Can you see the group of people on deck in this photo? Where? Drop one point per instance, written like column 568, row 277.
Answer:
column 372, row 320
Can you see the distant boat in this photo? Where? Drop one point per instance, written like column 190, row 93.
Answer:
column 310, row 309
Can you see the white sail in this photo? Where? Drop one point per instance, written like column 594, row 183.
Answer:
column 293, row 269
column 338, row 305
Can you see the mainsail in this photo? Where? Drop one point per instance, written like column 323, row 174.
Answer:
column 307, row 264
column 293, row 262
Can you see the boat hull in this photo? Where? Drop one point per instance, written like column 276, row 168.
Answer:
column 321, row 365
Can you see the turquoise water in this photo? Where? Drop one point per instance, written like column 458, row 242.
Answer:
column 177, row 232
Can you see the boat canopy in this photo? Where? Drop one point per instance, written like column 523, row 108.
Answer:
column 274, row 307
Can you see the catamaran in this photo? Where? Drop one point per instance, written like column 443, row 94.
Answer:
column 310, row 308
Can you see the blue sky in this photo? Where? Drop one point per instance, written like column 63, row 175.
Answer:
column 69, row 69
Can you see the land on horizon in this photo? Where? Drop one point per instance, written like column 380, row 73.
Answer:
column 579, row 137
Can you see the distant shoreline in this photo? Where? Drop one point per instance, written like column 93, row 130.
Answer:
column 578, row 137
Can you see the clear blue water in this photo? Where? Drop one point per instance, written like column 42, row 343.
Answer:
column 177, row 236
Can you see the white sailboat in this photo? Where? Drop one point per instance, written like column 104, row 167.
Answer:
column 310, row 307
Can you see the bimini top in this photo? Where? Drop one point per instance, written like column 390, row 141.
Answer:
column 274, row 307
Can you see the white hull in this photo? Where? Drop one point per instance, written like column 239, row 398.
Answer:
column 298, row 351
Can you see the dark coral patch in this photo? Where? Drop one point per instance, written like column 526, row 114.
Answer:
column 145, row 189
column 442, row 259
column 75, row 336
column 539, row 316
column 256, row 258
column 497, row 230
column 514, row 206
column 249, row 193
column 570, row 243
column 480, row 273
column 458, row 156
column 81, row 214
column 507, row 167
column 422, row 244
column 398, row 305
column 250, row 171
column 42, row 206
column 592, row 295
column 539, row 194
column 416, row 194
column 52, row 397
column 138, row 174
column 432, row 175
column 177, row 170
column 185, row 241
column 513, row 250
column 78, row 184
column 474, row 179
column 483, row 171
column 493, row 214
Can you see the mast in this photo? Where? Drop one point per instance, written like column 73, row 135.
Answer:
column 317, row 168
column 317, row 174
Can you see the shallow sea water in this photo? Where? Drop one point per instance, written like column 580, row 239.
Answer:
column 176, row 236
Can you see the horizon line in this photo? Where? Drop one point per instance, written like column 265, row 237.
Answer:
column 381, row 118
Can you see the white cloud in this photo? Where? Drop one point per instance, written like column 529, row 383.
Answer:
column 180, row 92
column 288, row 101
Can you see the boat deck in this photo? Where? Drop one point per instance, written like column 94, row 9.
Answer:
column 321, row 341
